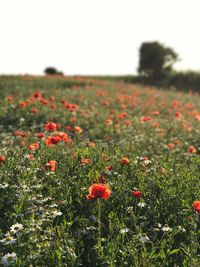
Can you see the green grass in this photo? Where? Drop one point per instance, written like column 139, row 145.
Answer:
column 63, row 228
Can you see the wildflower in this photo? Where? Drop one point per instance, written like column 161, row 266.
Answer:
column 34, row 110
column 30, row 156
column 137, row 194
column 125, row 161
column 16, row 227
column 166, row 228
column 52, row 140
column 56, row 213
column 39, row 135
column 20, row 133
column 124, row 230
column 51, row 126
column 192, row 149
column 109, row 122
column 78, row 129
column 68, row 128
column 196, row 206
column 144, row 238
column 99, row 191
column 181, row 229
column 170, row 145
column 122, row 115
column 2, row 159
column 109, row 168
column 51, row 165
column 91, row 144
column 9, row 98
column 141, row 204
column 145, row 118
column 44, row 101
column 129, row 209
column 155, row 113
column 37, row 94
column 8, row 258
column 62, row 135
column 85, row 161
column 8, row 240
column 33, row 146
column 3, row 186
column 178, row 115
column 127, row 123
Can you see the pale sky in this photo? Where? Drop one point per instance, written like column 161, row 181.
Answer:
column 94, row 36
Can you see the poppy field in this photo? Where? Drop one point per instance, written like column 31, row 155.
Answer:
column 98, row 172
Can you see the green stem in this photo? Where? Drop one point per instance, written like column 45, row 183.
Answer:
column 99, row 228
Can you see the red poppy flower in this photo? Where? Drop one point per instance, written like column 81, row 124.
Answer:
column 37, row 95
column 170, row 145
column 85, row 161
column 62, row 135
column 9, row 98
column 99, row 191
column 155, row 113
column 51, row 165
column 19, row 133
column 33, row 146
column 196, row 206
column 109, row 168
column 30, row 156
column 145, row 118
column 2, row 159
column 122, row 115
column 192, row 149
column 52, row 140
column 51, row 126
column 68, row 127
column 34, row 110
column 78, row 129
column 39, row 135
column 91, row 144
column 44, row 101
column 125, row 161
column 137, row 194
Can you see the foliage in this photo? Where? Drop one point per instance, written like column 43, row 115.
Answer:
column 52, row 71
column 156, row 60
column 59, row 136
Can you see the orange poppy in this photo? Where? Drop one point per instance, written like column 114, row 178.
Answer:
column 51, row 126
column 78, row 129
column 51, row 165
column 33, row 146
column 196, row 206
column 2, row 159
column 52, row 140
column 125, row 161
column 85, row 161
column 192, row 149
column 137, row 194
column 99, row 191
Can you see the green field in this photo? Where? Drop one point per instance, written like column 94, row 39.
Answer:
column 59, row 136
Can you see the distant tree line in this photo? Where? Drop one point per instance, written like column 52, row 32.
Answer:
column 156, row 68
column 53, row 71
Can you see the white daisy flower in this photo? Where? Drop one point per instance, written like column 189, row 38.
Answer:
column 166, row 228
column 8, row 259
column 16, row 227
column 141, row 204
column 124, row 230
column 144, row 238
column 8, row 240
column 56, row 213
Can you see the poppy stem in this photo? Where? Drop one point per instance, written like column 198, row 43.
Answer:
column 99, row 228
